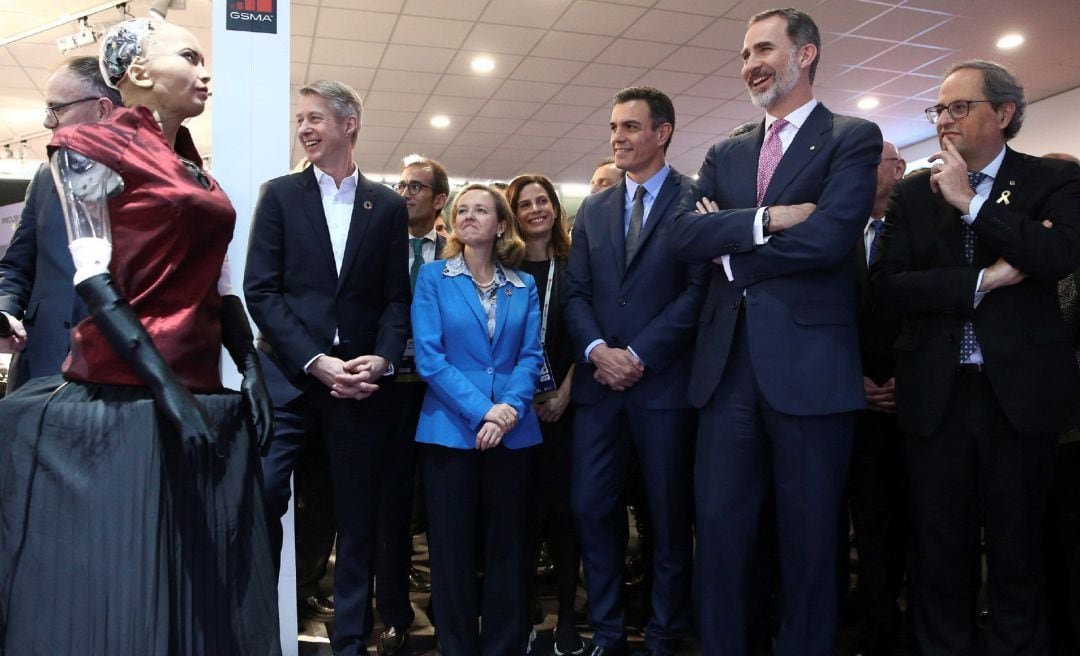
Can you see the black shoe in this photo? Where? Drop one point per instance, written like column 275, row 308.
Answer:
column 568, row 642
column 393, row 642
column 599, row 650
column 875, row 642
column 318, row 608
column 419, row 581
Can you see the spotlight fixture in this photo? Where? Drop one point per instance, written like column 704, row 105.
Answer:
column 440, row 121
column 483, row 64
column 84, row 37
column 1010, row 41
column 868, row 103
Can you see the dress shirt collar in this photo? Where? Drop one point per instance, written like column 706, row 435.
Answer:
column 652, row 185
column 326, row 181
column 869, row 222
column 795, row 118
column 432, row 236
column 455, row 266
column 991, row 169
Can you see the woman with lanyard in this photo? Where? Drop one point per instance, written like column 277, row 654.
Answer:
column 542, row 222
column 476, row 331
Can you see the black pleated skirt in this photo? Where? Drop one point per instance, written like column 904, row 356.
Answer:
column 110, row 544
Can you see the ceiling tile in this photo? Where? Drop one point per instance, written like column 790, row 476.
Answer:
column 667, row 26
column 375, row 133
column 429, row 136
column 486, row 37
column 508, row 108
column 748, row 8
column 566, row 45
column 407, row 81
column 742, row 110
column 387, row 117
column 454, row 105
column 545, row 128
column 578, row 146
column 669, row 82
column 530, row 13
column 901, row 24
column 590, row 97
column 494, row 125
column 722, row 33
column 715, row 8
column 598, row 18
column 692, row 59
column 694, row 105
column 607, row 75
column 303, row 20
column 342, row 24
column 857, row 79
column 355, row 77
column 716, row 86
column 469, row 137
column 544, row 69
column 438, row 32
column 407, row 102
column 299, row 48
column 335, row 51
column 842, row 16
column 527, row 91
column 390, row 6
column 554, row 112
column 853, row 50
column 461, row 63
column 460, row 9
column 416, row 58
column 905, row 58
column 638, row 53
column 467, row 85
column 518, row 140
column 911, row 85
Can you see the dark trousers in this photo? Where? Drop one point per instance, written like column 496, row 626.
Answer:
column 604, row 434
column 314, row 519
column 552, row 517
column 483, row 495
column 877, row 498
column 976, row 464
column 1063, row 563
column 352, row 432
column 745, row 446
column 397, row 472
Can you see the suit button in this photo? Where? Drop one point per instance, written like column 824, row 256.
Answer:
column 490, row 371
column 734, row 305
column 622, row 302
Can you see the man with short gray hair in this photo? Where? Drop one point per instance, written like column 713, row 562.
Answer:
column 986, row 377
column 327, row 284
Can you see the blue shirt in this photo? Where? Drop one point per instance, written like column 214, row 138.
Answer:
column 652, row 190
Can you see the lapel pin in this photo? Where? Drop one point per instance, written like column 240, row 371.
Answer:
column 813, row 147
column 367, row 204
column 509, row 290
column 1003, row 198
column 1012, row 183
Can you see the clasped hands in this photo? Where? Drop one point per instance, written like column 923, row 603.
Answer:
column 617, row 368
column 499, row 420
column 352, row 379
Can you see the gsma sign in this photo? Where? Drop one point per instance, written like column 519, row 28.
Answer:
column 251, row 16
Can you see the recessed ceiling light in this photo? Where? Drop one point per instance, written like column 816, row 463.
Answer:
column 1010, row 41
column 440, row 121
column 483, row 64
column 868, row 103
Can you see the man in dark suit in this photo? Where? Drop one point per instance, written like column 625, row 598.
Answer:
column 631, row 311
column 425, row 187
column 328, row 286
column 877, row 480
column 36, row 291
column 986, row 376
column 776, row 371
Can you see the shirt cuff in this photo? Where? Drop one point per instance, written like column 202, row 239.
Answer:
column 634, row 353
column 973, row 209
column 726, row 261
column 312, row 361
column 759, row 232
column 389, row 369
column 591, row 346
column 978, row 283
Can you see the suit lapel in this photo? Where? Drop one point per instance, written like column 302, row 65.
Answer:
column 614, row 209
column 464, row 285
column 311, row 199
column 358, row 223
column 1010, row 178
column 440, row 244
column 950, row 230
column 506, row 296
column 807, row 144
column 745, row 155
column 669, row 191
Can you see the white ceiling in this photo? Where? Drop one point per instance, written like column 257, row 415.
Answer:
column 546, row 105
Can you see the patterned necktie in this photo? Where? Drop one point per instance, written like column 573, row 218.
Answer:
column 771, row 152
column 418, row 259
column 968, row 341
column 875, row 226
column 637, row 214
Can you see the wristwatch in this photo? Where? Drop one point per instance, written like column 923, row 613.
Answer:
column 765, row 221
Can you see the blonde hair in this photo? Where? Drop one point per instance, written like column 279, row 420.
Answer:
column 509, row 248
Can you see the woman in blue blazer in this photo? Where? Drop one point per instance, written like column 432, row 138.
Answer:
column 476, row 330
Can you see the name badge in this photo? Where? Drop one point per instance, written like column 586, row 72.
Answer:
column 546, row 388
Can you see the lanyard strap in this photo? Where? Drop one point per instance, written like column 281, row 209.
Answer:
column 547, row 301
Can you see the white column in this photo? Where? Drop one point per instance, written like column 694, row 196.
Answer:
column 250, row 146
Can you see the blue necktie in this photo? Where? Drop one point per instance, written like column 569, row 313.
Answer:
column 968, row 342
column 876, row 225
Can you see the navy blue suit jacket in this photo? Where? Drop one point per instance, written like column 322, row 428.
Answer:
column 296, row 296
column 36, row 283
column 800, row 285
column 650, row 304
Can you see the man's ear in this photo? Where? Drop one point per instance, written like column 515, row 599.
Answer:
column 439, row 202
column 1005, row 113
column 104, row 107
column 139, row 73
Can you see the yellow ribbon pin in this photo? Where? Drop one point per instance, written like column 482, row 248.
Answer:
column 1004, row 197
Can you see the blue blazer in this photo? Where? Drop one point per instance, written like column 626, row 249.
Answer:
column 466, row 372
column 800, row 286
column 36, row 283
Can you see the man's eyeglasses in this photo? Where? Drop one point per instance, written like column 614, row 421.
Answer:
column 957, row 109
column 414, row 187
column 52, row 111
